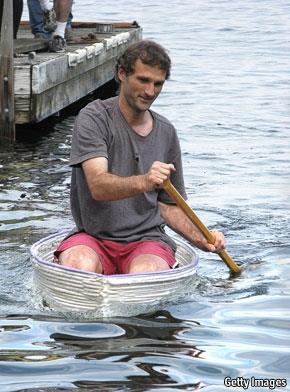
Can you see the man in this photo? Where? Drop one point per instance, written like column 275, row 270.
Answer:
column 122, row 152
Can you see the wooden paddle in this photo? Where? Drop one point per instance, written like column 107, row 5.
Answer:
column 179, row 200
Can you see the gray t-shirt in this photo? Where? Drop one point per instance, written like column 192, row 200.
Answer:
column 102, row 131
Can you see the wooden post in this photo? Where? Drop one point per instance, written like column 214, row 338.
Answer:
column 7, row 115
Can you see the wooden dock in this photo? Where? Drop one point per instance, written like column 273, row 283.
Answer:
column 45, row 83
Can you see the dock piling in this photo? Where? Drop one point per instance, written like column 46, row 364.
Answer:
column 7, row 113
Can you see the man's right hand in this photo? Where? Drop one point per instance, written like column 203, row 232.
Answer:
column 157, row 174
column 105, row 186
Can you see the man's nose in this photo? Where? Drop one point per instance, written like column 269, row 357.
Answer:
column 150, row 89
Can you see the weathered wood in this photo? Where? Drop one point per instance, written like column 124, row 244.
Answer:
column 22, row 74
column 7, row 124
column 25, row 45
column 62, row 95
column 22, row 117
column 55, row 70
column 91, row 24
column 49, row 82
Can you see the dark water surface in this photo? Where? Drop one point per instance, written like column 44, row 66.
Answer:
column 229, row 97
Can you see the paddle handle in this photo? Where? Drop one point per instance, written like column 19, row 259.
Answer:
column 179, row 200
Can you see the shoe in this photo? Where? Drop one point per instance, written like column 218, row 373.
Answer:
column 49, row 22
column 57, row 44
column 68, row 35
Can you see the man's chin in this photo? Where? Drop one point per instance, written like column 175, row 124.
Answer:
column 145, row 105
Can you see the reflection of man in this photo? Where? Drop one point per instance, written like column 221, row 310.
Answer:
column 36, row 22
column 17, row 13
column 122, row 152
column 55, row 19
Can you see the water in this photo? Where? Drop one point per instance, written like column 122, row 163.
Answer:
column 229, row 99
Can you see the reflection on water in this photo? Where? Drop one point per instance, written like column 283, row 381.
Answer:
column 170, row 349
column 229, row 99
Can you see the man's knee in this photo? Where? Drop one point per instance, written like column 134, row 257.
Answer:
column 81, row 257
column 147, row 263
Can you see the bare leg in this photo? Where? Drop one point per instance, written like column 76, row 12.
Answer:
column 81, row 257
column 62, row 9
column 147, row 263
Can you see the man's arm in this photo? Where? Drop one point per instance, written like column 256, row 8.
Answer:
column 180, row 223
column 105, row 186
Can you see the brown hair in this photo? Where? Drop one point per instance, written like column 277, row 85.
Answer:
column 149, row 52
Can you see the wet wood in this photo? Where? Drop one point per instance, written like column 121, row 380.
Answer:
column 7, row 123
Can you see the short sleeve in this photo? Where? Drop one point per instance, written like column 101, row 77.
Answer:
column 90, row 136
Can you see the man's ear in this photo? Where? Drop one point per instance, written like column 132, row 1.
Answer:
column 121, row 74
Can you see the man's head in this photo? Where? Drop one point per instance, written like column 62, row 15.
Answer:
column 149, row 53
column 141, row 72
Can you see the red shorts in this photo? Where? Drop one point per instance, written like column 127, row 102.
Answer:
column 116, row 256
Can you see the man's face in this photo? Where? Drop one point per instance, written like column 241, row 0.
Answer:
column 142, row 87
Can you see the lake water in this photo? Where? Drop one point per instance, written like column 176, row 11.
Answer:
column 229, row 98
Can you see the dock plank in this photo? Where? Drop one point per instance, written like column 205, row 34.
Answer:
column 49, row 82
column 25, row 45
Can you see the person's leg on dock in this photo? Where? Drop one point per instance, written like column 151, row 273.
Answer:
column 62, row 10
column 49, row 16
column 68, row 35
column 36, row 20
